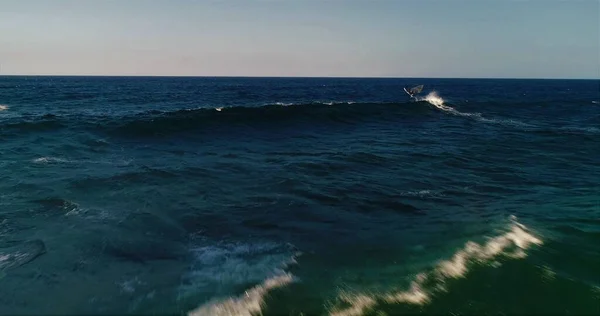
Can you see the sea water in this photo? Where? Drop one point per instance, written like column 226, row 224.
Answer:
column 299, row 196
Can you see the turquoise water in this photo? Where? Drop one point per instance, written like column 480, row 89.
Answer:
column 307, row 196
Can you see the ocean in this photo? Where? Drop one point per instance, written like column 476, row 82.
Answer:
column 299, row 196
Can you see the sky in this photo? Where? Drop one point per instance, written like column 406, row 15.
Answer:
column 302, row 38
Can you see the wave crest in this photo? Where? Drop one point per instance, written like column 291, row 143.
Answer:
column 222, row 268
column 246, row 305
column 434, row 99
column 511, row 244
column 164, row 123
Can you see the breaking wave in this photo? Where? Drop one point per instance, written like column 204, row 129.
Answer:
column 246, row 305
column 434, row 99
column 220, row 269
column 511, row 244
column 160, row 123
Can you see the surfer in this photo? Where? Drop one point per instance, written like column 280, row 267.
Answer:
column 414, row 90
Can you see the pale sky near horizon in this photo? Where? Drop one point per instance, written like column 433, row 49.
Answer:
column 355, row 38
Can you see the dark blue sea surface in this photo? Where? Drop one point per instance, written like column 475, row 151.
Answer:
column 299, row 196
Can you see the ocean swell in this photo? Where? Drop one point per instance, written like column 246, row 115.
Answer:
column 157, row 123
column 164, row 123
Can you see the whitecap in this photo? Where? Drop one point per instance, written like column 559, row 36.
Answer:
column 421, row 193
column 434, row 99
column 339, row 103
column 3, row 107
column 511, row 244
column 219, row 268
column 246, row 305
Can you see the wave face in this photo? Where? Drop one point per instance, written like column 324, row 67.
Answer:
column 260, row 117
column 157, row 123
column 275, row 196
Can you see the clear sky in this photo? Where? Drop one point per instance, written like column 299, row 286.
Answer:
column 359, row 38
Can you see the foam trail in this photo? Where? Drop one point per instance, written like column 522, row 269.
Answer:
column 3, row 107
column 511, row 244
column 437, row 101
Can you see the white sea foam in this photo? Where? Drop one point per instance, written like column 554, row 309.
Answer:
column 129, row 286
column 509, row 122
column 421, row 193
column 49, row 160
column 246, row 305
column 3, row 107
column 339, row 102
column 219, row 268
column 511, row 244
column 71, row 208
column 434, row 99
column 588, row 129
column 286, row 104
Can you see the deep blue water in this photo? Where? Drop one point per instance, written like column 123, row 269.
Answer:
column 290, row 196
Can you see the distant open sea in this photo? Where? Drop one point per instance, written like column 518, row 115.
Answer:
column 299, row 196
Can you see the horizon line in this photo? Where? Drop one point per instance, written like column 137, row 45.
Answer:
column 289, row 77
